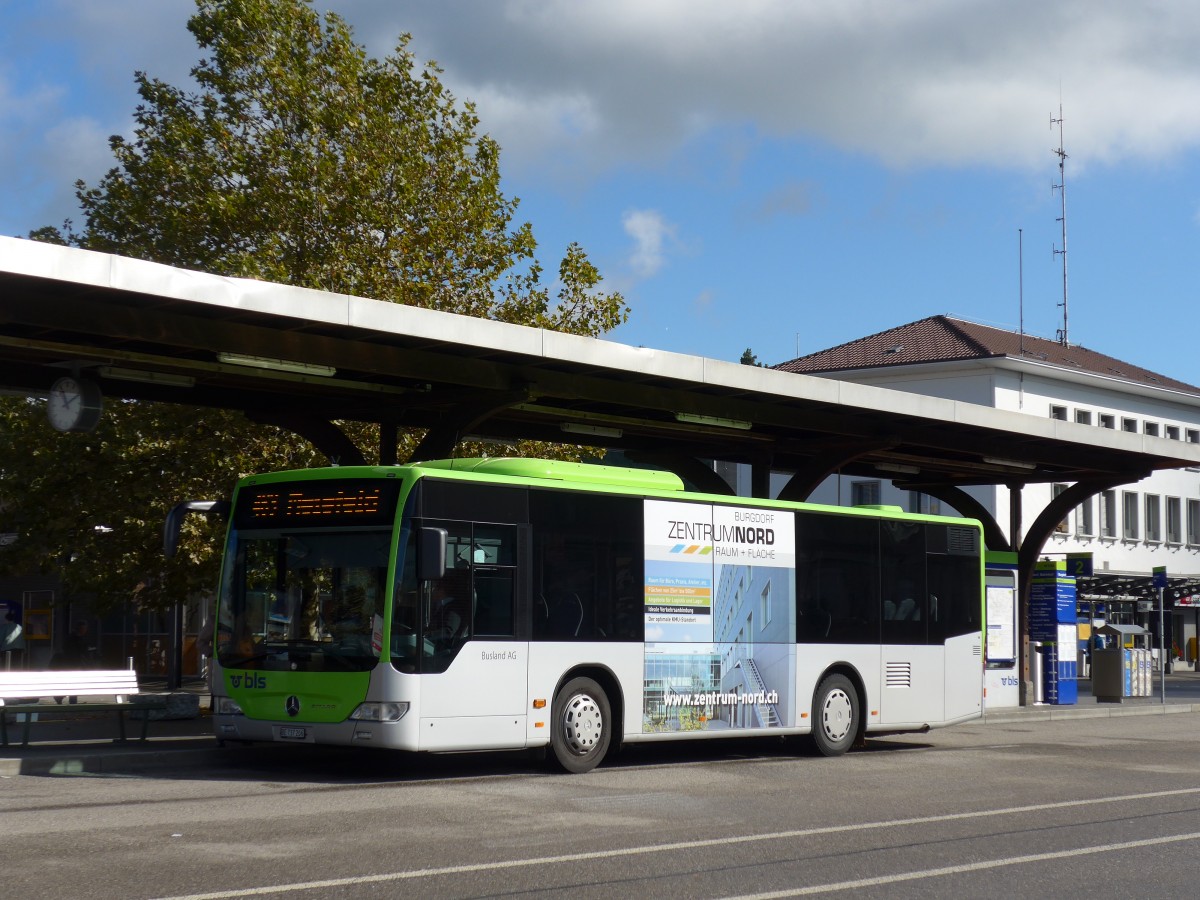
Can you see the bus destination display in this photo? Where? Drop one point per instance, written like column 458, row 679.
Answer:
column 309, row 504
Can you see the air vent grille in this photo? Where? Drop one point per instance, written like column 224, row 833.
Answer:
column 962, row 540
column 899, row 675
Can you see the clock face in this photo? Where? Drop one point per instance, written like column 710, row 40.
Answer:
column 74, row 405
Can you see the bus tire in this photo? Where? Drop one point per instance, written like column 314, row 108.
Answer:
column 581, row 728
column 835, row 716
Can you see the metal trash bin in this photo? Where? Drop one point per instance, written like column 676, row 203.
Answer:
column 1120, row 663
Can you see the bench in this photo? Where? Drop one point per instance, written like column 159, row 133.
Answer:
column 23, row 687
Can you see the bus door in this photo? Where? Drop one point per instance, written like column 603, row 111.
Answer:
column 474, row 689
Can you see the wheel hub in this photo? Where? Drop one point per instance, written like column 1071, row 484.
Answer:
column 836, row 715
column 582, row 724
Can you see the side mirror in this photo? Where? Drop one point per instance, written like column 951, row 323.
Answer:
column 431, row 554
column 174, row 520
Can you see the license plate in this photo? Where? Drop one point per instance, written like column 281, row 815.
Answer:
column 292, row 733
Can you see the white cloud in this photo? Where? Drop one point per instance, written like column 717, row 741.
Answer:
column 575, row 87
column 650, row 233
column 924, row 82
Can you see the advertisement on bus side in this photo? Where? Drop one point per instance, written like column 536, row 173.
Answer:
column 719, row 617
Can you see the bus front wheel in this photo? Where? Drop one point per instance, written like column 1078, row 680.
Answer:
column 581, row 726
column 835, row 716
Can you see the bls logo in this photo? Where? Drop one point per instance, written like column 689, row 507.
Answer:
column 250, row 682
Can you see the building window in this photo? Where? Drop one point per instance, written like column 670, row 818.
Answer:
column 1129, row 425
column 1193, row 523
column 1172, row 432
column 1083, row 416
column 1153, row 518
column 864, row 493
column 764, row 605
column 1107, row 421
column 1129, row 508
column 1063, row 527
column 1151, row 428
column 923, row 503
column 1174, row 520
column 1084, row 526
column 1193, row 436
column 1108, row 514
column 1058, row 412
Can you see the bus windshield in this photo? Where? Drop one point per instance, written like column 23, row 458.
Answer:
column 303, row 600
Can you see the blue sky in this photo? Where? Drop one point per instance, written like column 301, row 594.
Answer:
column 784, row 175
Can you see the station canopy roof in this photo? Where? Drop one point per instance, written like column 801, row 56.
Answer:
column 146, row 331
column 1134, row 586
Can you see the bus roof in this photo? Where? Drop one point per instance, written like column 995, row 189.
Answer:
column 615, row 479
column 561, row 470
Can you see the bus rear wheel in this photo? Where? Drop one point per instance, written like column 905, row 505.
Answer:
column 835, row 716
column 581, row 727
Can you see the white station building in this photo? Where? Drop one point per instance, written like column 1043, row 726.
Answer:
column 1128, row 530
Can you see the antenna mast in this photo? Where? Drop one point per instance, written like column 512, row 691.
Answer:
column 1061, row 187
column 1021, row 284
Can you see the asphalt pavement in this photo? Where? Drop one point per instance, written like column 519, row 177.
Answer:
column 77, row 743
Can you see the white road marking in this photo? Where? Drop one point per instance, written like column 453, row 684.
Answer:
column 980, row 866
column 730, row 840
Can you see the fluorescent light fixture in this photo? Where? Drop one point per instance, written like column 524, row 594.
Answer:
column 1009, row 463
column 116, row 373
column 716, row 421
column 591, row 430
column 277, row 365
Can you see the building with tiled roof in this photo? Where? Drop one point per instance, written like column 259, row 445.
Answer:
column 1128, row 530
column 942, row 339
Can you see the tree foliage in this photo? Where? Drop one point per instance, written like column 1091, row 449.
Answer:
column 300, row 159
column 90, row 507
column 293, row 157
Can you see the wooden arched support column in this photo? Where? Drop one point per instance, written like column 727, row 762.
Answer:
column 1031, row 548
column 966, row 505
column 1057, row 510
column 808, row 478
column 440, row 440
column 389, row 443
column 321, row 433
column 689, row 468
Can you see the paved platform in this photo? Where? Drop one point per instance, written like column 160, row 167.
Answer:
column 1182, row 696
column 81, row 744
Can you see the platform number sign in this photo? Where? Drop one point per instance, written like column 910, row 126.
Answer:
column 1079, row 565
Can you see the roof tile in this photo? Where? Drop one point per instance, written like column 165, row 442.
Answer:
column 945, row 339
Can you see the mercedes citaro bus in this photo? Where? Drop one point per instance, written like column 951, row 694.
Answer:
column 475, row 604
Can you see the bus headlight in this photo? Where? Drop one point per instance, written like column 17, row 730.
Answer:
column 379, row 712
column 225, row 706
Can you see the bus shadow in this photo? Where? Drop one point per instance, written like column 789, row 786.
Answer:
column 341, row 765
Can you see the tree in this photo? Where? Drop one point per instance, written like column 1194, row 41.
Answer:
column 302, row 160
column 102, row 534
column 296, row 158
column 749, row 358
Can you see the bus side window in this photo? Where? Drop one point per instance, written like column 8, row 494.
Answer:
column 587, row 566
column 837, row 595
column 903, row 582
column 494, row 603
column 493, row 567
column 954, row 594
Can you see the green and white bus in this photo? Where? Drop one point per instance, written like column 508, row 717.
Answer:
column 475, row 604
